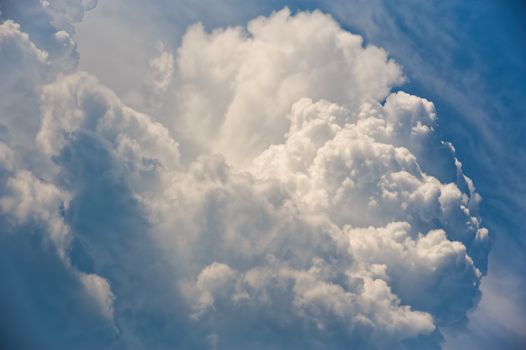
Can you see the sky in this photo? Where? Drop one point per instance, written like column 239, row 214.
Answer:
column 262, row 174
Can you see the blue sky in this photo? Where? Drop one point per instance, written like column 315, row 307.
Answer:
column 147, row 203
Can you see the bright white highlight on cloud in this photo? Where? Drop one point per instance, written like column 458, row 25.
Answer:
column 276, row 195
column 242, row 82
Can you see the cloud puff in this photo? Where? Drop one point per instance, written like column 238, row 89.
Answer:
column 24, row 66
column 43, row 290
column 241, row 82
column 305, row 207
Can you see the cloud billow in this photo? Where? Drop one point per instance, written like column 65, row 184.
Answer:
column 278, row 195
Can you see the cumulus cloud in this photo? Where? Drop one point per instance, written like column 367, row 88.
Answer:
column 241, row 82
column 24, row 66
column 279, row 195
column 40, row 279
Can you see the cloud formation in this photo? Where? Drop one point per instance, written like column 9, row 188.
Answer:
column 277, row 195
column 241, row 82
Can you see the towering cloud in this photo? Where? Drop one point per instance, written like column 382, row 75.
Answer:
column 278, row 196
column 242, row 82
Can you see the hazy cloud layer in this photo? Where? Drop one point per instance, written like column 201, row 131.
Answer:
column 273, row 193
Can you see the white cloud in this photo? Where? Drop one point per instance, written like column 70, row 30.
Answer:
column 312, row 217
column 27, row 198
column 32, row 206
column 23, row 66
column 234, row 86
column 162, row 69
column 78, row 103
column 358, row 166
column 100, row 289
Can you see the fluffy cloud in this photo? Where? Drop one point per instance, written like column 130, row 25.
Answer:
column 42, row 289
column 241, row 82
column 361, row 168
column 24, row 67
column 281, row 197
